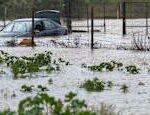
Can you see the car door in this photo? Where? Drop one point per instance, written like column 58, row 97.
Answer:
column 39, row 29
column 50, row 28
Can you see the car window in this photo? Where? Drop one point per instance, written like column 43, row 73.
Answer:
column 39, row 26
column 8, row 28
column 19, row 27
column 49, row 25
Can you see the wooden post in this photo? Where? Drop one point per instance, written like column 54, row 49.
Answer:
column 33, row 28
column 88, row 19
column 104, row 7
column 92, row 27
column 146, row 15
column 5, row 13
column 124, row 18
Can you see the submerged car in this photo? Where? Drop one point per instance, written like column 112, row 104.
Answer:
column 23, row 28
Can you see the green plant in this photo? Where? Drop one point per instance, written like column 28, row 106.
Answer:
column 50, row 81
column 43, row 103
column 7, row 112
column 32, row 67
column 110, row 84
column 132, row 69
column 21, row 66
column 124, row 88
column 41, row 88
column 27, row 89
column 17, row 67
column 93, row 85
column 104, row 66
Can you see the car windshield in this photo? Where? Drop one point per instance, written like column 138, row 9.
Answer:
column 20, row 27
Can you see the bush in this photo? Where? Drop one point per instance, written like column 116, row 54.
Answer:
column 132, row 69
column 105, row 66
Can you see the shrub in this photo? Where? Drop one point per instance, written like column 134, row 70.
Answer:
column 43, row 103
column 27, row 89
column 93, row 85
column 124, row 88
column 104, row 66
column 132, row 69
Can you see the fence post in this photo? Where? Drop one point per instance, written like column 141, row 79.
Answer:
column 5, row 13
column 124, row 17
column 92, row 27
column 146, row 4
column 104, row 6
column 88, row 27
column 69, row 22
column 33, row 28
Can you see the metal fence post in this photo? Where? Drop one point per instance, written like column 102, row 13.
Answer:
column 88, row 18
column 146, row 15
column 69, row 21
column 33, row 28
column 104, row 7
column 124, row 18
column 92, row 27
column 5, row 13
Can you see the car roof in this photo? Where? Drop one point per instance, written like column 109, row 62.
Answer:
column 30, row 19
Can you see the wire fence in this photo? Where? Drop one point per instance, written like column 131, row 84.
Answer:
column 76, row 16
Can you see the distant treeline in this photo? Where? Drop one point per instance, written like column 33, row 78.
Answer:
column 79, row 8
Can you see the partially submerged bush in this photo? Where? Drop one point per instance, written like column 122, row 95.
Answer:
column 105, row 66
column 111, row 66
column 27, row 89
column 132, row 69
column 27, row 66
column 96, row 85
column 45, row 104
column 93, row 85
column 124, row 88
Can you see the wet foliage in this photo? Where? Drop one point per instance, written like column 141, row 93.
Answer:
column 28, row 66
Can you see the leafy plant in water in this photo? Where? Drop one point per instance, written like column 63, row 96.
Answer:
column 42, row 103
column 93, row 85
column 27, row 89
column 50, row 81
column 110, row 84
column 132, row 69
column 32, row 67
column 7, row 112
column 41, row 88
column 17, row 67
column 105, row 66
column 124, row 88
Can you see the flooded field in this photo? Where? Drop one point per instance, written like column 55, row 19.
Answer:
column 75, row 49
column 135, row 102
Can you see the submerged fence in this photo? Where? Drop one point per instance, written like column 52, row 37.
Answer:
column 136, row 17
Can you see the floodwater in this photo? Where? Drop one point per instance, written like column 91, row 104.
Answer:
column 75, row 48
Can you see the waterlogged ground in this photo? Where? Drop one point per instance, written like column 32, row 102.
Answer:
column 136, row 101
